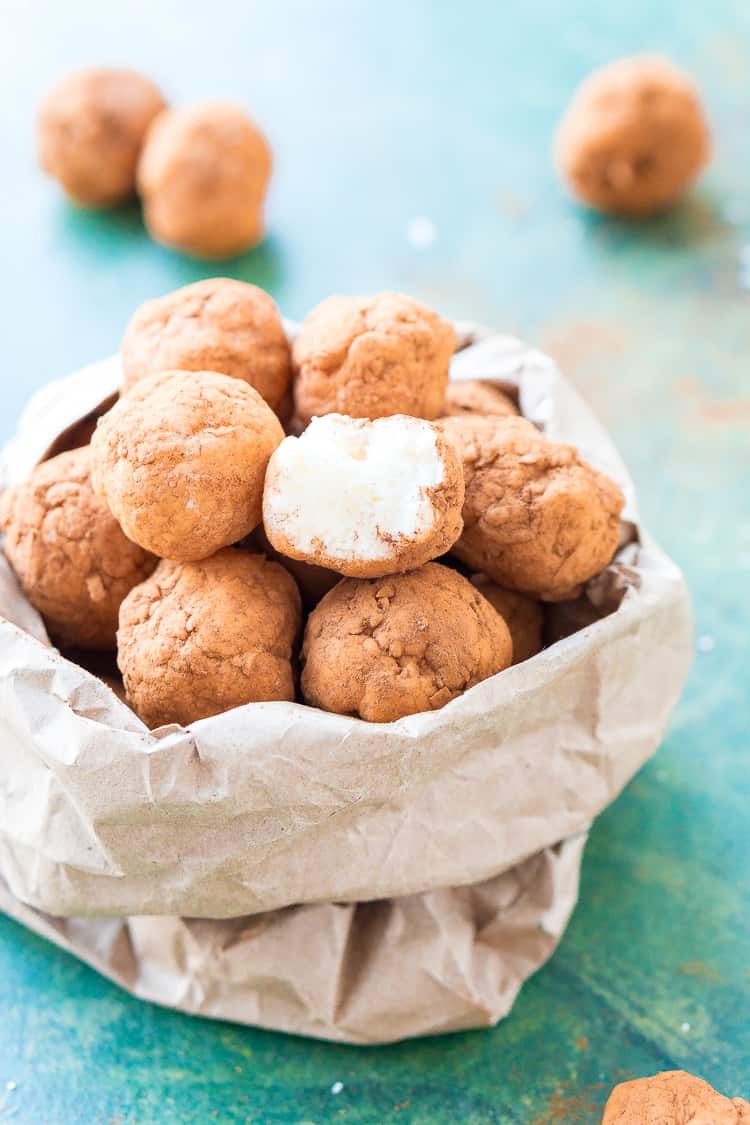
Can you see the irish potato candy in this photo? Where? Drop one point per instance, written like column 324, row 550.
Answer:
column 181, row 460
column 74, row 563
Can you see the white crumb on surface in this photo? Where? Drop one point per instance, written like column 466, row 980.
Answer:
column 421, row 232
column 685, row 1026
column 349, row 487
column 337, row 1087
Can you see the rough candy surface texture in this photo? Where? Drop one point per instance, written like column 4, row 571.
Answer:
column 380, row 649
column 634, row 137
column 477, row 396
column 203, row 175
column 370, row 357
column 74, row 563
column 214, row 325
column 181, row 462
column 537, row 518
column 90, row 130
column 523, row 615
column 200, row 638
column 673, row 1098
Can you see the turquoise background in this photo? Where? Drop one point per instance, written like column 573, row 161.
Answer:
column 379, row 113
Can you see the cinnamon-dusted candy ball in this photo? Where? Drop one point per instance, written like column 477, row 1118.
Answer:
column 523, row 615
column 91, row 128
column 477, row 396
column 384, row 648
column 370, row 357
column 181, row 461
column 673, row 1097
column 537, row 518
column 74, row 563
column 203, row 175
column 200, row 638
column 364, row 498
column 214, row 325
column 634, row 137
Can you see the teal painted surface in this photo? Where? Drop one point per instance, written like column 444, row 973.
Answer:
column 381, row 112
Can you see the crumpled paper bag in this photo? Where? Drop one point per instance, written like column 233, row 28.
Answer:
column 366, row 972
column 337, row 878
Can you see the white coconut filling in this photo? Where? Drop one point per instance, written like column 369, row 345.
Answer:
column 349, row 488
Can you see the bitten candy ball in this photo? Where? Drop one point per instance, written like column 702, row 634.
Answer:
column 634, row 137
column 380, row 649
column 673, row 1097
column 537, row 518
column 523, row 615
column 214, row 325
column 91, row 128
column 364, row 498
column 181, row 461
column 202, row 176
column 74, row 563
column 200, row 638
column 370, row 357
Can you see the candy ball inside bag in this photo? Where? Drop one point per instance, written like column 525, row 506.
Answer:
column 380, row 649
column 214, row 325
column 200, row 638
column 181, row 460
column 370, row 357
column 73, row 561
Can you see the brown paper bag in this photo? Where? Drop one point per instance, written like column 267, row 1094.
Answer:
column 329, row 876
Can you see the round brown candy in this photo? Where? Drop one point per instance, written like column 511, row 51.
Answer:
column 202, row 176
column 634, row 137
column 91, row 128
